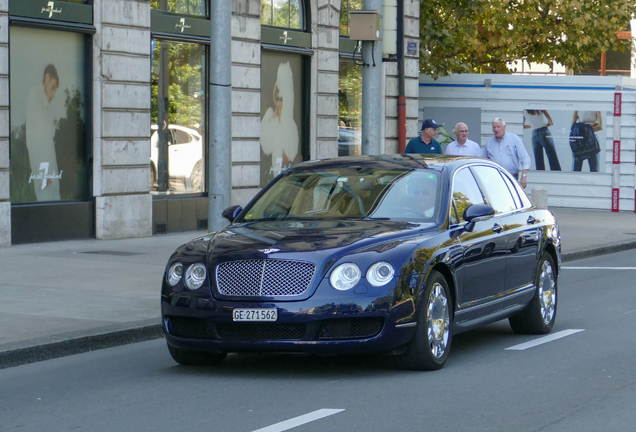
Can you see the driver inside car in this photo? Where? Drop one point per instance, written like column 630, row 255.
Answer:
column 421, row 192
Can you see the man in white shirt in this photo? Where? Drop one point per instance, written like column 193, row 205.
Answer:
column 462, row 146
column 508, row 151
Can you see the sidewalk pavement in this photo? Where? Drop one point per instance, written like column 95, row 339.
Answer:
column 68, row 297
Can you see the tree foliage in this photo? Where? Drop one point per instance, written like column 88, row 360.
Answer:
column 484, row 36
column 185, row 88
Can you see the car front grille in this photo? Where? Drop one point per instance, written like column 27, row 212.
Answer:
column 260, row 331
column 258, row 278
column 332, row 329
column 351, row 328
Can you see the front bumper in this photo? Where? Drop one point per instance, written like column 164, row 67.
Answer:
column 342, row 323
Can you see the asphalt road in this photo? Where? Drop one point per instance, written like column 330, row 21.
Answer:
column 582, row 381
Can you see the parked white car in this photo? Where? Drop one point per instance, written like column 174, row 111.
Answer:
column 185, row 159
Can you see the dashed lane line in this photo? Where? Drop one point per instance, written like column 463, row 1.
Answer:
column 300, row 420
column 545, row 339
column 598, row 268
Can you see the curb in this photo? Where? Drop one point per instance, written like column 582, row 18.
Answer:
column 36, row 350
column 602, row 250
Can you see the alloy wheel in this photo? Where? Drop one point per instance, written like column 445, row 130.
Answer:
column 438, row 321
column 547, row 292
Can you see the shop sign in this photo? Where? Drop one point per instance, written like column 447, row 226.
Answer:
column 48, row 10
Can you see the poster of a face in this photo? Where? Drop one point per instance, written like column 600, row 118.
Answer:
column 281, row 113
column 565, row 140
column 48, row 130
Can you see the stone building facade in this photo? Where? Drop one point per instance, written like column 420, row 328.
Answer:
column 124, row 64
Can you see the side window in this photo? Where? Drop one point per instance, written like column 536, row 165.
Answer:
column 181, row 137
column 465, row 193
column 494, row 188
column 513, row 191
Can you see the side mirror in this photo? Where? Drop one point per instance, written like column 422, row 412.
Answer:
column 232, row 212
column 475, row 213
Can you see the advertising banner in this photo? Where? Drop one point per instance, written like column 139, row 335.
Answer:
column 48, row 130
column 565, row 140
column 281, row 113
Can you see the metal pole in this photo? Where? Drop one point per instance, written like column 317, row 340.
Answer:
column 401, row 87
column 163, row 113
column 372, row 89
column 220, row 103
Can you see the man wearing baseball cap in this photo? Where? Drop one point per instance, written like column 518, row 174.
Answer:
column 425, row 143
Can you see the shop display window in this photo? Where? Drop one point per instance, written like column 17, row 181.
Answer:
column 178, row 150
column 349, row 109
column 48, row 115
column 345, row 7
column 182, row 7
column 282, row 120
column 282, row 13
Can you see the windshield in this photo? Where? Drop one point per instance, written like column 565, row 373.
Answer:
column 346, row 193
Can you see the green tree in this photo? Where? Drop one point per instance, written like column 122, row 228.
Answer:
column 484, row 36
column 185, row 93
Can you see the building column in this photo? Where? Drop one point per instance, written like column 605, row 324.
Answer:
column 411, row 80
column 121, row 115
column 326, row 66
column 412, row 66
column 246, row 100
column 5, row 203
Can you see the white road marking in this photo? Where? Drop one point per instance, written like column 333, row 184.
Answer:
column 546, row 339
column 599, row 268
column 300, row 420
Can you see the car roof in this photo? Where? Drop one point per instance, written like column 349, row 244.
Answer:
column 395, row 161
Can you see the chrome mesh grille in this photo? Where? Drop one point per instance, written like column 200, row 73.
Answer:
column 264, row 277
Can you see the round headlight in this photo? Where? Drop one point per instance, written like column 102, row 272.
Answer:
column 345, row 276
column 380, row 273
column 175, row 272
column 195, row 276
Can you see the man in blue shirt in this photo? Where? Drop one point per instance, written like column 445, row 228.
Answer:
column 425, row 143
column 508, row 151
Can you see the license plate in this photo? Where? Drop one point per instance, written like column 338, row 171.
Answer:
column 255, row 314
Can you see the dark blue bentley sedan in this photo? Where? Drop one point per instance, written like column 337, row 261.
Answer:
column 390, row 254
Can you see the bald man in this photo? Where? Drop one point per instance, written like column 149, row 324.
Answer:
column 462, row 146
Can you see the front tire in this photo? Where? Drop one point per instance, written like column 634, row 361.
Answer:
column 195, row 358
column 539, row 316
column 431, row 344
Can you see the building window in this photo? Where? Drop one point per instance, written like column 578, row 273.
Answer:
column 346, row 6
column 48, row 115
column 182, row 7
column 282, row 13
column 349, row 109
column 350, row 88
column 177, row 152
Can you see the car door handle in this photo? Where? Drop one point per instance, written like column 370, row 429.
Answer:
column 531, row 220
column 497, row 228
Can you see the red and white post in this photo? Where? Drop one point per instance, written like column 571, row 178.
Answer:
column 616, row 153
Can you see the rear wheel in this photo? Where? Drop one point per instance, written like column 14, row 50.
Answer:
column 196, row 176
column 195, row 358
column 430, row 347
column 539, row 316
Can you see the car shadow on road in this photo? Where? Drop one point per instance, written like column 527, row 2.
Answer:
column 486, row 340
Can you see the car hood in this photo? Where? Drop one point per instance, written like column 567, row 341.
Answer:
column 316, row 240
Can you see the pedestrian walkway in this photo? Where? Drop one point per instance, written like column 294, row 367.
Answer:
column 68, row 297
